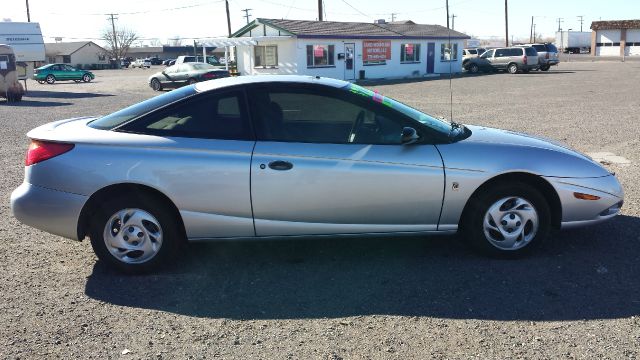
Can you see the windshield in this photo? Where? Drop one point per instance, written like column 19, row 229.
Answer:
column 122, row 116
column 439, row 125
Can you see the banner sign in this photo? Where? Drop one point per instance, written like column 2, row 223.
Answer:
column 376, row 50
column 318, row 51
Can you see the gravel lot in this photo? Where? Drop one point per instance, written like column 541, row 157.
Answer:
column 579, row 297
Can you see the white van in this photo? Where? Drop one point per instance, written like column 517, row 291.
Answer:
column 10, row 87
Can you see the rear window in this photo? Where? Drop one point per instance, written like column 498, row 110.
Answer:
column 120, row 117
column 471, row 51
column 539, row 47
column 530, row 51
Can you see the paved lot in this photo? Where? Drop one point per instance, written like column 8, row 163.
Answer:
column 579, row 297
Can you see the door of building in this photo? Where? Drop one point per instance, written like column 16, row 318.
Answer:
column 349, row 61
column 431, row 56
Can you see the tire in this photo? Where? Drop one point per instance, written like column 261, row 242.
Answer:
column 192, row 81
column 512, row 68
column 41, row 81
column 150, row 234
column 545, row 67
column 50, row 79
column 86, row 78
column 156, row 85
column 507, row 208
column 474, row 68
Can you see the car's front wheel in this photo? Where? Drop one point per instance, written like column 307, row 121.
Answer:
column 135, row 234
column 507, row 220
column 50, row 79
column 473, row 68
column 156, row 85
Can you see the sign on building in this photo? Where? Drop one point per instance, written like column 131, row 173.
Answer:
column 376, row 50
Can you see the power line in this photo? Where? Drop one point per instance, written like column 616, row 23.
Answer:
column 351, row 6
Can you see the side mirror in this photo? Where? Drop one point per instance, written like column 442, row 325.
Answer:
column 409, row 136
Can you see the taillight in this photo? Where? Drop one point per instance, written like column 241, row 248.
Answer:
column 524, row 59
column 43, row 150
column 209, row 76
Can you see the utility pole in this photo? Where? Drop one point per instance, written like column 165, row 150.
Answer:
column 506, row 24
column 115, row 38
column 28, row 15
column 581, row 21
column 228, row 17
column 560, row 20
column 534, row 33
column 453, row 21
column 320, row 17
column 531, row 32
column 393, row 17
column 447, row 14
column 246, row 14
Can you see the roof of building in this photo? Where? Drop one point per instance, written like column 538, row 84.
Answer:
column 615, row 24
column 67, row 48
column 335, row 29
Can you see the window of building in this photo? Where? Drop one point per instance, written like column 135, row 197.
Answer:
column 409, row 53
column 266, row 56
column 320, row 55
column 448, row 52
column 101, row 57
column 66, row 59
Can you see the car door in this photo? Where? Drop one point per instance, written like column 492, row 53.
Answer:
column 499, row 60
column 58, row 71
column 202, row 162
column 168, row 77
column 71, row 73
column 485, row 60
column 331, row 162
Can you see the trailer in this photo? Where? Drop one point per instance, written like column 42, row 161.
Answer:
column 25, row 38
column 573, row 42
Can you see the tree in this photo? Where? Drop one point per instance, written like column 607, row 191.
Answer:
column 118, row 45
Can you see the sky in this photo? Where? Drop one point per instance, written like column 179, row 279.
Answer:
column 74, row 20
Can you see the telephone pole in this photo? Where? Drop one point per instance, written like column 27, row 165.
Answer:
column 531, row 32
column 560, row 20
column 393, row 17
column 320, row 18
column 228, row 17
column 506, row 24
column 115, row 37
column 453, row 21
column 581, row 21
column 246, row 14
column 447, row 14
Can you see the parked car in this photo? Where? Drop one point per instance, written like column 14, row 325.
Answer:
column 212, row 60
column 184, row 74
column 155, row 60
column 290, row 156
column 547, row 55
column 166, row 62
column 471, row 53
column 54, row 72
column 125, row 63
column 511, row 59
column 141, row 63
column 10, row 87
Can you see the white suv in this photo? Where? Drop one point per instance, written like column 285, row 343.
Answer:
column 141, row 63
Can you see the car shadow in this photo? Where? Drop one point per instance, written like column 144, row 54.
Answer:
column 62, row 94
column 32, row 103
column 589, row 273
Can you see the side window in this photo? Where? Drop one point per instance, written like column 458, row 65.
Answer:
column 210, row 116
column 307, row 115
column 500, row 52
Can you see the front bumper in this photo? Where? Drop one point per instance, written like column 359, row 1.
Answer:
column 577, row 212
column 53, row 211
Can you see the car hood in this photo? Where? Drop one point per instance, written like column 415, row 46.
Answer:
column 508, row 137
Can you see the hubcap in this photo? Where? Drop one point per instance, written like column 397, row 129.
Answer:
column 133, row 236
column 510, row 223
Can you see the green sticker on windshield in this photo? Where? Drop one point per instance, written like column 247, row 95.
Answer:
column 359, row 90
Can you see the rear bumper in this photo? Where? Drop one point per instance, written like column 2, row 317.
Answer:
column 53, row 211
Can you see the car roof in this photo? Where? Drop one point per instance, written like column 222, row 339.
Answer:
column 265, row 79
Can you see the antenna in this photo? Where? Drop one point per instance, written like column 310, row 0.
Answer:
column 450, row 67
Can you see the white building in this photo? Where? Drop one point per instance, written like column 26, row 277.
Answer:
column 84, row 54
column 347, row 51
column 615, row 38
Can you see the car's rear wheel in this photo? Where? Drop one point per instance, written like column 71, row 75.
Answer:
column 86, row 78
column 135, row 234
column 545, row 67
column 507, row 220
column 473, row 68
column 50, row 79
column 512, row 68
column 156, row 85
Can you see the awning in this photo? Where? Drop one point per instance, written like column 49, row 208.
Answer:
column 242, row 41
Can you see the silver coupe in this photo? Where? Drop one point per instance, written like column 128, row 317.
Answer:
column 293, row 156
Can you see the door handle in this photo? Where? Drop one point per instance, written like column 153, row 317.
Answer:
column 280, row 165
